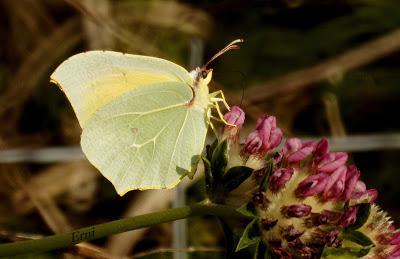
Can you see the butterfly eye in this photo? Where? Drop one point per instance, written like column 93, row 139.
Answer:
column 204, row 74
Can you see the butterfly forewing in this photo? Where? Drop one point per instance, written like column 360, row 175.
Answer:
column 92, row 79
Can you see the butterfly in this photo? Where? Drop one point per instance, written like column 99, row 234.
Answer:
column 144, row 119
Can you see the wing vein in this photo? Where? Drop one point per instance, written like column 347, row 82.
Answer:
column 177, row 140
column 145, row 113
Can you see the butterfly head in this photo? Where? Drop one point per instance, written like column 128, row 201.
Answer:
column 203, row 75
column 206, row 75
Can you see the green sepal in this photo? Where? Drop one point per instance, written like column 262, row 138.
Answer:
column 210, row 149
column 250, row 236
column 209, row 180
column 219, row 160
column 267, row 173
column 235, row 176
column 363, row 212
column 357, row 237
column 261, row 251
column 248, row 210
column 344, row 252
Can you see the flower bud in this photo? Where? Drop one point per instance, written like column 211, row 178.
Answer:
column 260, row 199
column 279, row 252
column 359, row 190
column 332, row 238
column 279, row 178
column 312, row 185
column 322, row 147
column 352, row 176
column 336, row 183
column 265, row 137
column 267, row 224
column 235, row 116
column 393, row 239
column 349, row 216
column 253, row 143
column 331, row 161
column 394, row 253
column 296, row 150
column 373, row 194
column 296, row 211
column 324, row 217
column 290, row 233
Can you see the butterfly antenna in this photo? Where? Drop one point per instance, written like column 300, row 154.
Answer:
column 241, row 99
column 242, row 85
column 233, row 45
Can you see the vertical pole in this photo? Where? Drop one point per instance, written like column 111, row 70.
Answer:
column 179, row 228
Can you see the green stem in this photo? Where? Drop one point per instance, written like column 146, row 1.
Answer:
column 114, row 227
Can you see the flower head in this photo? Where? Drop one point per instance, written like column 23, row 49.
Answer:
column 307, row 198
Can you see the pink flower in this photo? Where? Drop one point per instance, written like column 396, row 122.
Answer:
column 235, row 116
column 253, row 143
column 279, row 178
column 395, row 253
column 349, row 216
column 260, row 199
column 359, row 190
column 324, row 217
column 330, row 161
column 336, row 183
column 296, row 211
column 332, row 238
column 393, row 239
column 352, row 176
column 265, row 137
column 312, row 185
column 373, row 195
column 296, row 150
column 322, row 147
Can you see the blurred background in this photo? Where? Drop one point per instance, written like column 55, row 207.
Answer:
column 323, row 68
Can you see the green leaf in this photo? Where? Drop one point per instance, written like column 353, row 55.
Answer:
column 209, row 181
column 248, row 209
column 344, row 252
column 362, row 216
column 268, row 171
column 235, row 176
column 357, row 237
column 261, row 251
column 219, row 160
column 250, row 236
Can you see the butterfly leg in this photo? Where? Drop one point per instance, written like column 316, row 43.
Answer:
column 222, row 99
column 221, row 117
column 212, row 126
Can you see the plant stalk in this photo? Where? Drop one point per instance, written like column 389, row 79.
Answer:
column 113, row 227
